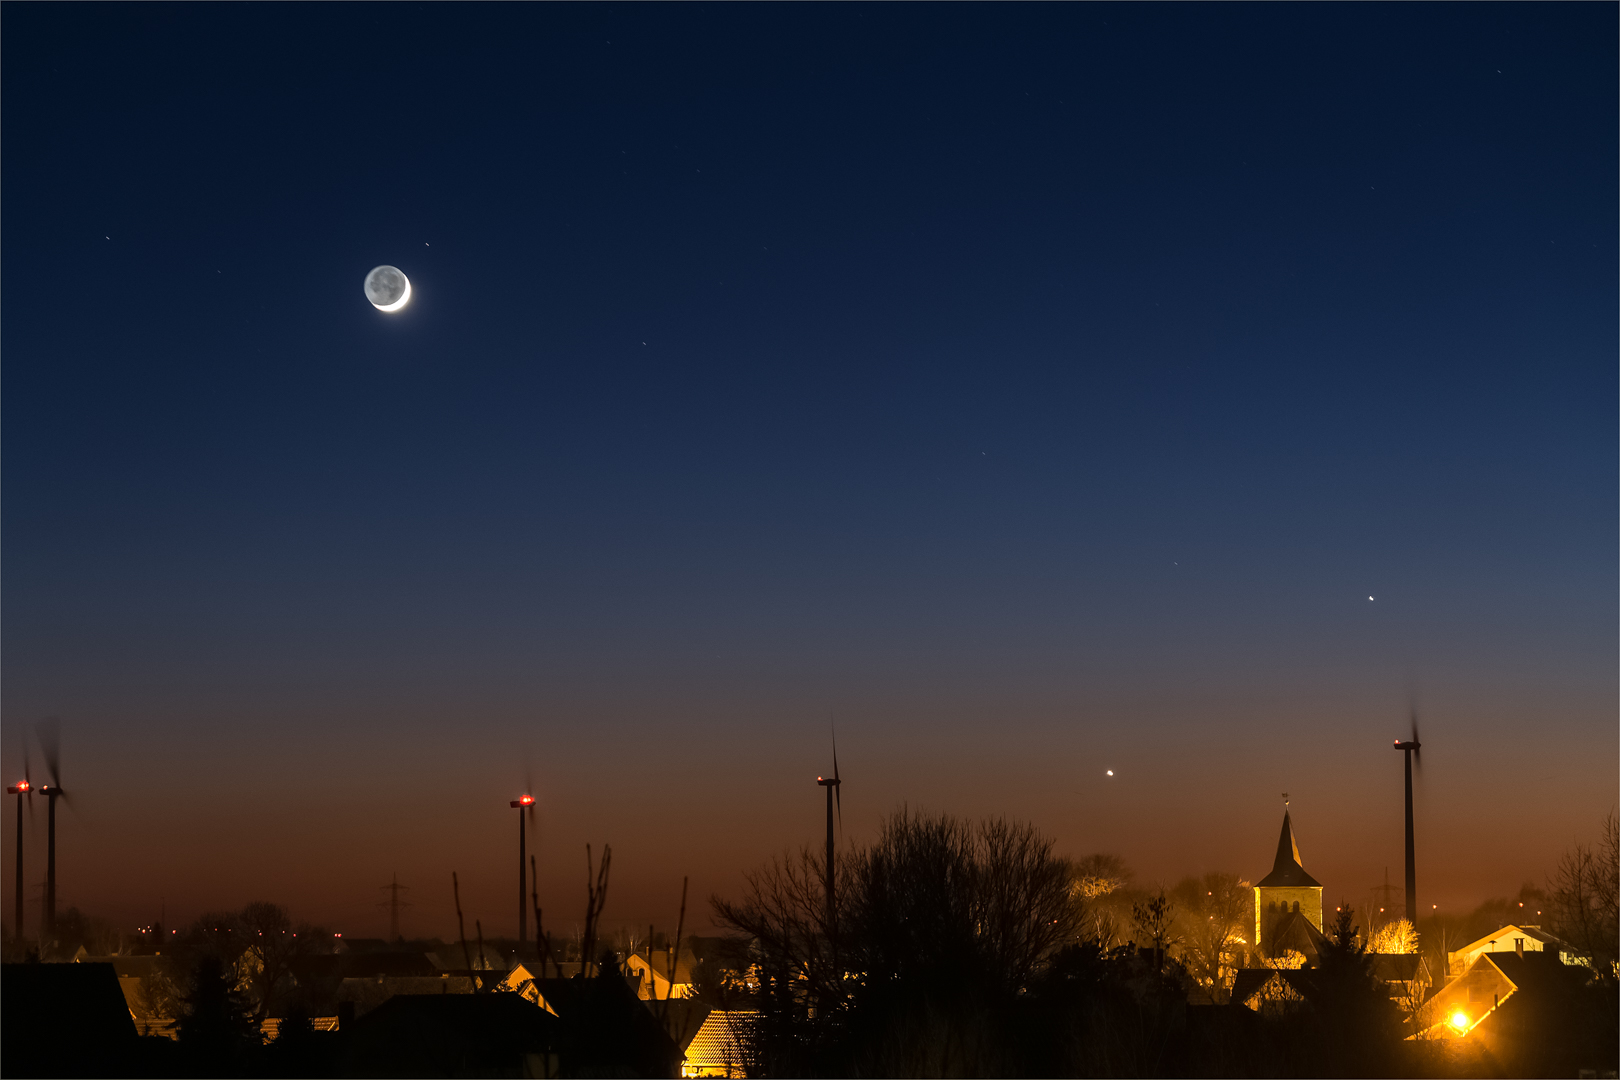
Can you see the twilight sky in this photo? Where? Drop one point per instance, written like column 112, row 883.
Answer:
column 1033, row 391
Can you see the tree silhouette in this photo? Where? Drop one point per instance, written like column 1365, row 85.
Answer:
column 216, row 1036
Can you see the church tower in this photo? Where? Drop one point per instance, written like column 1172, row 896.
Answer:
column 1287, row 891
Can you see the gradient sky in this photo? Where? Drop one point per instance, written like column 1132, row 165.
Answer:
column 1032, row 391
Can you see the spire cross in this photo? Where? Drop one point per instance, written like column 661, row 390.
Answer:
column 1285, row 798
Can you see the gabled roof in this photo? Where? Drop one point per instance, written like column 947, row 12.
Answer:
column 450, row 1035
column 1295, row 932
column 1286, row 872
column 1553, row 992
column 1396, row 967
column 684, row 963
column 1504, row 937
column 608, row 1031
column 64, row 1020
column 1277, row 984
column 719, row 1043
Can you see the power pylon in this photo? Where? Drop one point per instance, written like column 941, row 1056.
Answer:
column 394, row 903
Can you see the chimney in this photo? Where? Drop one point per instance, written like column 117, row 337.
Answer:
column 1519, row 943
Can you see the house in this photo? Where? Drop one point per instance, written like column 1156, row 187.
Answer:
column 1271, row 991
column 65, row 1020
column 140, row 978
column 652, row 975
column 719, row 1046
column 453, row 1035
column 1511, row 939
column 1406, row 975
column 607, row 1029
column 1532, row 1014
column 367, row 993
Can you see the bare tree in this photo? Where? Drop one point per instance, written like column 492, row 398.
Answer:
column 595, row 900
column 1100, row 883
column 784, row 911
column 1216, row 912
column 1583, row 899
column 1399, row 936
column 1155, row 922
column 1022, row 908
column 273, row 945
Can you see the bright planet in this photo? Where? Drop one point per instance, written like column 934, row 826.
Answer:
column 388, row 288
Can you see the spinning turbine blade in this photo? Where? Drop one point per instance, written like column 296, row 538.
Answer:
column 838, row 788
column 49, row 733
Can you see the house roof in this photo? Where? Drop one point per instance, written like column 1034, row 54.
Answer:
column 1539, row 973
column 1286, row 871
column 1396, row 967
column 1295, row 931
column 605, row 1023
column 1504, row 937
column 1553, row 986
column 718, row 1044
column 449, row 1035
column 64, row 1020
column 1251, row 981
column 660, row 964
column 361, row 965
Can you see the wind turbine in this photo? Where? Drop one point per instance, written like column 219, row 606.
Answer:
column 1412, row 749
column 19, row 789
column 833, row 794
column 49, row 733
column 524, row 805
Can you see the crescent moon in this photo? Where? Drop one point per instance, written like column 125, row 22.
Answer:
column 387, row 288
column 401, row 302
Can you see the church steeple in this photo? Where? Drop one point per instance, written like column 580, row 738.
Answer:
column 1288, row 903
column 1287, row 872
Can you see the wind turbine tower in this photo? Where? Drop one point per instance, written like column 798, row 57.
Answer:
column 524, row 805
column 19, row 789
column 1411, row 748
column 49, row 733
column 833, row 794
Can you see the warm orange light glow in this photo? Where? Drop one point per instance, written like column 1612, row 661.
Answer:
column 1459, row 1020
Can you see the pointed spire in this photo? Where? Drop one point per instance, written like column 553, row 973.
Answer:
column 1287, row 846
column 1287, row 871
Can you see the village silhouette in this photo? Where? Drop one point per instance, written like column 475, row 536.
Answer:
column 1058, row 427
column 947, row 947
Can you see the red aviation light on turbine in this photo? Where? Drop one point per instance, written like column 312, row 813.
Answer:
column 21, row 787
column 523, row 800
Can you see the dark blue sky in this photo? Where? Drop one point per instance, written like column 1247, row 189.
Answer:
column 1032, row 388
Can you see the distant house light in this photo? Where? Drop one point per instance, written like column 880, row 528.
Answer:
column 1459, row 1020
